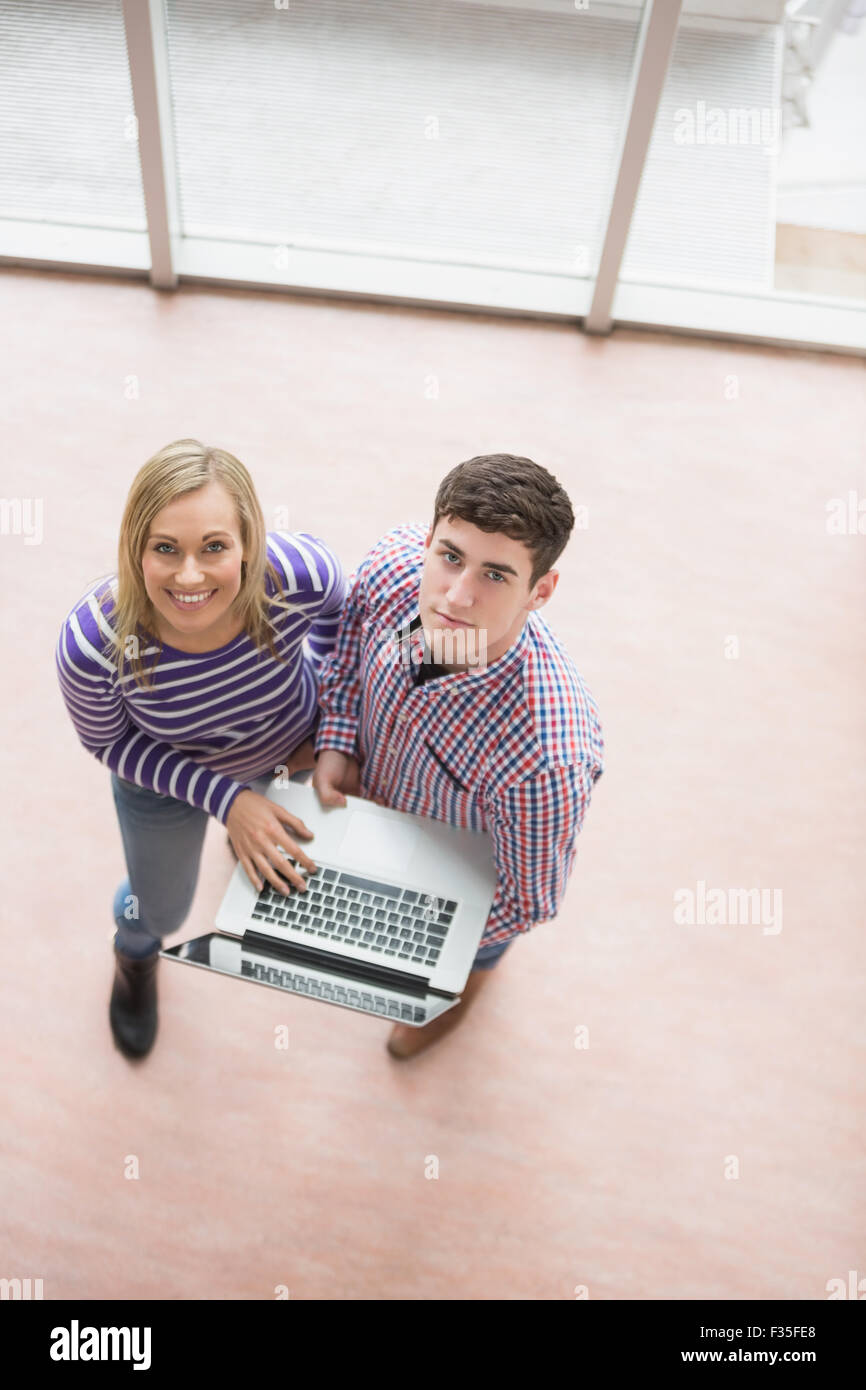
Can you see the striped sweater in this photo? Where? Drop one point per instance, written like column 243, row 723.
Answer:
column 213, row 721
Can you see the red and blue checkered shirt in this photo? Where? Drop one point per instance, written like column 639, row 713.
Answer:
column 512, row 748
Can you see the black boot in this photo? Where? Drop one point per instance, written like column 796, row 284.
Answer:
column 132, row 1012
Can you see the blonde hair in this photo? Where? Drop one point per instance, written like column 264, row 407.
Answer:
column 179, row 468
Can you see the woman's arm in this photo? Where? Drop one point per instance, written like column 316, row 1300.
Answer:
column 312, row 578
column 88, row 684
column 322, row 636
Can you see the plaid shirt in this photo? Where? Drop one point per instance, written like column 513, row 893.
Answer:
column 513, row 748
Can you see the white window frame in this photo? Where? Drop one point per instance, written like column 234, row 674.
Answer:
column 167, row 258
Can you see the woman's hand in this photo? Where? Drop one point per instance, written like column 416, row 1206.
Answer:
column 336, row 777
column 256, row 826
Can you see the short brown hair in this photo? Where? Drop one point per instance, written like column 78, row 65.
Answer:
column 507, row 493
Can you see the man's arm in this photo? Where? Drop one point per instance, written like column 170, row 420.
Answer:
column 391, row 562
column 534, row 828
column 340, row 675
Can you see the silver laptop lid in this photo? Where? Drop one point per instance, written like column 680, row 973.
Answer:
column 285, row 967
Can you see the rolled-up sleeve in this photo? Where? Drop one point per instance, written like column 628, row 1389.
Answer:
column 340, row 673
column 534, row 828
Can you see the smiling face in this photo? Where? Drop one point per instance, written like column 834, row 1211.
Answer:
column 473, row 579
column 191, row 567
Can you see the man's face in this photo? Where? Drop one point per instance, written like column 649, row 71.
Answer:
column 480, row 582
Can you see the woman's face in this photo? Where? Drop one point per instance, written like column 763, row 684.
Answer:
column 192, row 568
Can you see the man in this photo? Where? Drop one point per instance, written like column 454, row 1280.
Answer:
column 447, row 695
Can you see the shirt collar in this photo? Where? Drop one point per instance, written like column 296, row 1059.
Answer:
column 410, row 631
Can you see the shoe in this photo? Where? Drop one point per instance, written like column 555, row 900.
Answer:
column 132, row 1011
column 404, row 1041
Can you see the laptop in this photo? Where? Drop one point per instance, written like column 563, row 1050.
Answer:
column 390, row 922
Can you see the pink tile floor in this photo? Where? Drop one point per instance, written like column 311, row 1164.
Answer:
column 559, row 1166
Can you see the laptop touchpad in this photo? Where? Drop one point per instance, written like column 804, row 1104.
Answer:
column 379, row 846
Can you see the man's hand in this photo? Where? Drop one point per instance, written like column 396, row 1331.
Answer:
column 302, row 759
column 256, row 828
column 337, row 776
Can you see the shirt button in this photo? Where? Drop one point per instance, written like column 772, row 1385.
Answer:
column 402, row 716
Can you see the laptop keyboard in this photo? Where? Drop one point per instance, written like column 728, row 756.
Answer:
column 395, row 923
column 335, row 993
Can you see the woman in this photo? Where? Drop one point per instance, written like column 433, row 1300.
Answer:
column 186, row 674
